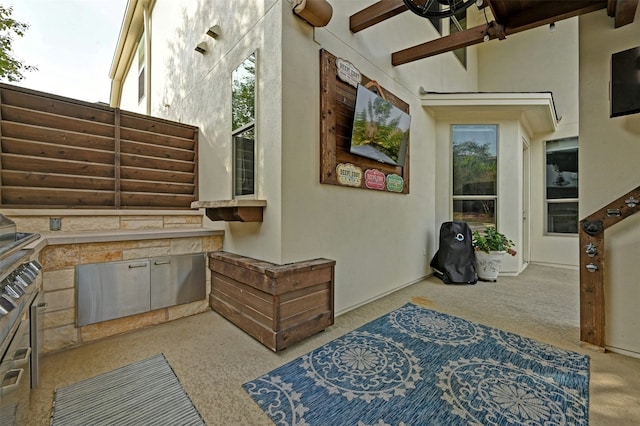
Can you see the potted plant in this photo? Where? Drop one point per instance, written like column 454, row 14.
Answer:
column 490, row 247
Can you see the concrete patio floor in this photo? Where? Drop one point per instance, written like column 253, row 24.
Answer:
column 213, row 358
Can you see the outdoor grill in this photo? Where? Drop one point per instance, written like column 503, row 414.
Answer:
column 19, row 306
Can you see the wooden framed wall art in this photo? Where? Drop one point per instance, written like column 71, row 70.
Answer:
column 364, row 130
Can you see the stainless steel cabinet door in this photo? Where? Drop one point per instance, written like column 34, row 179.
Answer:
column 111, row 290
column 177, row 279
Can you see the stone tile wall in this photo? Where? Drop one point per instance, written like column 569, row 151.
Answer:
column 59, row 262
column 58, row 282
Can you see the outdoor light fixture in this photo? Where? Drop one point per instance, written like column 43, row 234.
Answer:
column 552, row 27
column 214, row 32
column 201, row 47
column 439, row 8
column 316, row 13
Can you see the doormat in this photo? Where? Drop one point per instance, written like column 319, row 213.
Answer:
column 146, row 392
column 415, row 366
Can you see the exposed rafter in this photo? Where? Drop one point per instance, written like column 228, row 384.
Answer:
column 375, row 14
column 524, row 20
column 511, row 16
column 623, row 11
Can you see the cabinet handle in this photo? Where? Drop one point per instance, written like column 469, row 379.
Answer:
column 137, row 265
column 162, row 262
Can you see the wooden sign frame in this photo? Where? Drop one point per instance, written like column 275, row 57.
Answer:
column 337, row 105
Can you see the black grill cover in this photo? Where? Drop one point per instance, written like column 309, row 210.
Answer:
column 455, row 260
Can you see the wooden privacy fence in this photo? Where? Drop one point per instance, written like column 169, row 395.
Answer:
column 57, row 152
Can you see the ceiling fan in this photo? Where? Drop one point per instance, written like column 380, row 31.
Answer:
column 437, row 8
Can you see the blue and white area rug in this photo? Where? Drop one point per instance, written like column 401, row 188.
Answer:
column 415, row 366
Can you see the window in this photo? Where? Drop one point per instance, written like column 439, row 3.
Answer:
column 475, row 167
column 457, row 23
column 562, row 186
column 243, row 98
column 141, row 68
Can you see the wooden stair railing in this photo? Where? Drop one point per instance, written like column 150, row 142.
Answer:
column 592, row 264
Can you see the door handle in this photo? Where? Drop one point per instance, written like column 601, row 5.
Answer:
column 162, row 262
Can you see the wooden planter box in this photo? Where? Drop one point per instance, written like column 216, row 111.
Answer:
column 277, row 304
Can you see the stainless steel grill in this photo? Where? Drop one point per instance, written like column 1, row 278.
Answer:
column 19, row 303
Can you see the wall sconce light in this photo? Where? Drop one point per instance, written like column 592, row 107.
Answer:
column 316, row 13
column 552, row 27
column 201, row 47
column 214, row 32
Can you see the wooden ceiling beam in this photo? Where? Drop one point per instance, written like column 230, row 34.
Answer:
column 625, row 12
column 537, row 16
column 376, row 13
column 440, row 45
column 476, row 35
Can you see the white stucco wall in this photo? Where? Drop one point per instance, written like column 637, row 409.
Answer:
column 195, row 88
column 381, row 241
column 609, row 153
column 538, row 60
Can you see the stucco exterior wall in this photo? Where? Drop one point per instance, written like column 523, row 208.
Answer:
column 539, row 61
column 381, row 241
column 609, row 153
column 191, row 87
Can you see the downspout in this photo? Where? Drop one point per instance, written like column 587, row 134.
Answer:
column 116, row 78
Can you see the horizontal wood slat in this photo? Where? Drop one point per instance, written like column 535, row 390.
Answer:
column 46, row 180
column 62, row 152
column 155, row 163
column 46, row 165
column 37, row 118
column 56, row 106
column 155, row 138
column 138, row 199
column 66, row 198
column 155, row 175
column 163, row 127
column 158, row 151
column 149, row 186
column 29, row 132
column 47, row 150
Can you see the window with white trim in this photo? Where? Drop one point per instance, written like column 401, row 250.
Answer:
column 475, row 174
column 562, row 186
column 243, row 99
column 141, row 67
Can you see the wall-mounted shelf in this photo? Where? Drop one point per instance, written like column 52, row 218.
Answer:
column 240, row 210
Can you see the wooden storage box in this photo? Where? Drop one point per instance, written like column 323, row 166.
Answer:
column 277, row 304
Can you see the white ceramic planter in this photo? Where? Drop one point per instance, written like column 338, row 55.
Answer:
column 488, row 264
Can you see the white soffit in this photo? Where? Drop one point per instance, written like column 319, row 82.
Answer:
column 535, row 109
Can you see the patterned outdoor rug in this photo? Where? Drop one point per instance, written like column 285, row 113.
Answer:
column 146, row 392
column 415, row 366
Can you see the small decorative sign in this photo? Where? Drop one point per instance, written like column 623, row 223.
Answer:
column 348, row 174
column 348, row 73
column 374, row 179
column 395, row 183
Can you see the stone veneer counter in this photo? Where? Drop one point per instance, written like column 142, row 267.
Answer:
column 60, row 252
